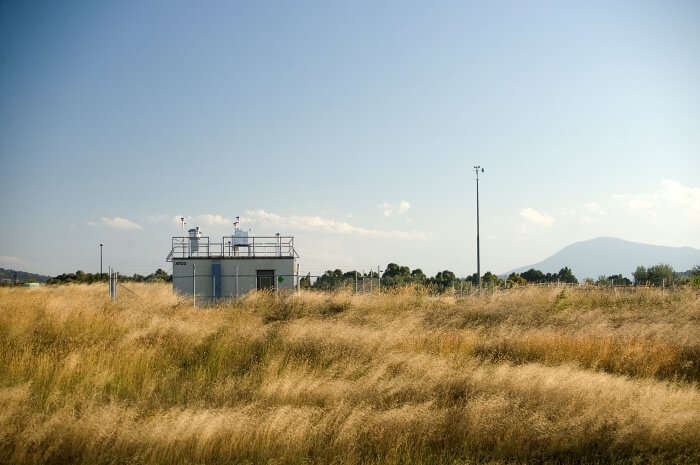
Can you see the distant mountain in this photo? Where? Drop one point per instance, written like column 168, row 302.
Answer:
column 21, row 276
column 608, row 255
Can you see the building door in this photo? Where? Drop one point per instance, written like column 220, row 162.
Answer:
column 216, row 279
column 266, row 279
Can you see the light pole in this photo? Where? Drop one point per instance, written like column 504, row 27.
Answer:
column 101, row 261
column 478, row 250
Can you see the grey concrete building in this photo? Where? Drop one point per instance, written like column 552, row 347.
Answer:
column 232, row 266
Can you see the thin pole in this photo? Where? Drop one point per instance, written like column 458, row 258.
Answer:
column 236, row 281
column 100, row 262
column 194, row 285
column 379, row 278
column 355, row 282
column 478, row 248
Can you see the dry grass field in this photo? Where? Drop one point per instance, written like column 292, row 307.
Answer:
column 528, row 376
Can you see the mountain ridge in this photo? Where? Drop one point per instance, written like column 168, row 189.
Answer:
column 611, row 255
column 7, row 274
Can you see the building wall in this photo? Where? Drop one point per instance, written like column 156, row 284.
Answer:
column 246, row 269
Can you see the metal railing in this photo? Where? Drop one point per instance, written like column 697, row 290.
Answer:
column 232, row 246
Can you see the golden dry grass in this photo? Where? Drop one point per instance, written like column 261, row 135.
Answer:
column 528, row 376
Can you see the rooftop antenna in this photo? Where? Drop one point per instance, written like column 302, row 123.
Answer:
column 182, row 222
column 237, row 222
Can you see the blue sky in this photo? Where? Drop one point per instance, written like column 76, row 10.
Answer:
column 352, row 125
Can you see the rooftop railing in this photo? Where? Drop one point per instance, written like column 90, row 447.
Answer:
column 232, row 246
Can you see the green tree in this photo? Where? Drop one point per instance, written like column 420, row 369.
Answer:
column 619, row 280
column 443, row 280
column 661, row 274
column 417, row 276
column 396, row 275
column 305, row 281
column 640, row 275
column 695, row 276
column 490, row 280
column 473, row 279
column 565, row 275
column 158, row 275
column 514, row 279
column 533, row 276
column 330, row 280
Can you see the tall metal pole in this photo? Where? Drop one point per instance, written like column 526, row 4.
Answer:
column 478, row 248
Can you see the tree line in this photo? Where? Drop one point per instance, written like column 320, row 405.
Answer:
column 81, row 277
column 397, row 276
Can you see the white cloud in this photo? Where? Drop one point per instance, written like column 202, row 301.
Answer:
column 591, row 212
column 587, row 213
column 669, row 194
column 684, row 197
column 6, row 260
column 594, row 208
column 177, row 219
column 213, row 220
column 316, row 223
column 388, row 209
column 207, row 219
column 637, row 201
column 117, row 223
column 533, row 216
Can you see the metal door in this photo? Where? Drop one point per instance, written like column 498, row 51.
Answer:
column 216, row 279
column 266, row 279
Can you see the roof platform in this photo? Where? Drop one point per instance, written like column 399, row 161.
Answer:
column 247, row 247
